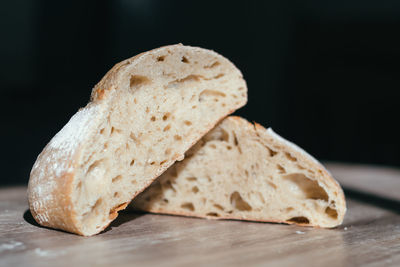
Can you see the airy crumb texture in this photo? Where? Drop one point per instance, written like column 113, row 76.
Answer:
column 143, row 116
column 243, row 171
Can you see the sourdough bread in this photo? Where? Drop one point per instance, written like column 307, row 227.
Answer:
column 143, row 116
column 246, row 172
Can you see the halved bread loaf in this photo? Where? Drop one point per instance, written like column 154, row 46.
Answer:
column 143, row 116
column 243, row 171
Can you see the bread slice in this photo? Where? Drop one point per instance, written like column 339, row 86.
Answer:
column 246, row 172
column 143, row 116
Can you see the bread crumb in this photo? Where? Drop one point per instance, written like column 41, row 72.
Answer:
column 48, row 253
column 345, row 228
column 300, row 232
column 11, row 245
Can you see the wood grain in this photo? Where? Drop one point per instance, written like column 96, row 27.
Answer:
column 370, row 236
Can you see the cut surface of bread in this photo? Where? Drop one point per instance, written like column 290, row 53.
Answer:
column 244, row 171
column 143, row 116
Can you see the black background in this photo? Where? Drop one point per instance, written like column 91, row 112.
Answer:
column 324, row 74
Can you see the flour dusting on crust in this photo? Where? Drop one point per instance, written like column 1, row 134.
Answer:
column 73, row 133
column 63, row 146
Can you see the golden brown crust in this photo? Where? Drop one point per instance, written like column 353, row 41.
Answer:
column 247, row 219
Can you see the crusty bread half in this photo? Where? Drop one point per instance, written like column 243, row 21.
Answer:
column 246, row 172
column 143, row 116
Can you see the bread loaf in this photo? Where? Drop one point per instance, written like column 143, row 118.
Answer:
column 143, row 116
column 246, row 172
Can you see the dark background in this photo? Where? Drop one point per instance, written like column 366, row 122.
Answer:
column 324, row 74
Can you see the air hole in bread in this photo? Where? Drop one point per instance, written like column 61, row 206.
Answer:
column 290, row 157
column 260, row 196
column 102, row 131
column 133, row 137
column 272, row 185
column 304, row 187
column 300, row 167
column 238, row 202
column 138, row 80
column 241, row 88
column 133, row 182
column 166, row 116
column 281, row 170
column 188, row 123
column 168, row 151
column 152, row 163
column 79, row 185
column 168, row 185
column 218, row 134
column 165, row 200
column 194, row 107
column 163, row 162
column 96, row 205
column 189, row 78
column 188, row 206
column 112, row 130
column 116, row 194
column 331, row 213
column 210, row 93
column 213, row 146
column 218, row 207
column 177, row 137
column 116, row 178
column 299, row 220
column 212, row 214
column 228, row 147
column 213, row 65
column 235, row 140
column 289, row 209
column 166, row 128
column 246, row 172
column 191, row 179
column 94, row 165
column 272, row 153
column 153, row 118
column 184, row 60
column 160, row 58
column 219, row 76
column 195, row 189
column 132, row 162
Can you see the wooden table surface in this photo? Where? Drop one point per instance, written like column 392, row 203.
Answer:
column 369, row 236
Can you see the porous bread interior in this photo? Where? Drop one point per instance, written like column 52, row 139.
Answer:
column 155, row 116
column 234, row 172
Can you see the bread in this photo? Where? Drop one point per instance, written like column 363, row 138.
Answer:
column 143, row 116
column 246, row 172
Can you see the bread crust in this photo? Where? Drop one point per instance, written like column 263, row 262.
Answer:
column 277, row 142
column 53, row 174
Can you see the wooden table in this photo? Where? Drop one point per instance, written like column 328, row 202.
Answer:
column 370, row 235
